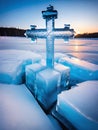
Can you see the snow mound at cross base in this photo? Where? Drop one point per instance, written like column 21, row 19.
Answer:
column 12, row 65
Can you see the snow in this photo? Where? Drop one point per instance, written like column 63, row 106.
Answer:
column 65, row 74
column 80, row 105
column 20, row 111
column 12, row 65
column 47, row 82
column 31, row 71
column 81, row 69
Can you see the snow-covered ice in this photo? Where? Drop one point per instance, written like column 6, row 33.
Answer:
column 20, row 111
column 31, row 71
column 12, row 65
column 81, row 69
column 47, row 83
column 80, row 105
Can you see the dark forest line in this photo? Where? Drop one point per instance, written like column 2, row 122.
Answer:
column 5, row 31
column 11, row 32
column 87, row 35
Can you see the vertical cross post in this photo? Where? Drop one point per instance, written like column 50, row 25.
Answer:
column 50, row 15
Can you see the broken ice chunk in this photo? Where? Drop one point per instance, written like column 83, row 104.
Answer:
column 65, row 74
column 12, row 65
column 80, row 105
column 80, row 69
column 47, row 82
column 31, row 71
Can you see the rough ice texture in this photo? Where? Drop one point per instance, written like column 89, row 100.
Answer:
column 47, row 83
column 80, row 105
column 31, row 71
column 20, row 111
column 12, row 65
column 65, row 74
column 81, row 69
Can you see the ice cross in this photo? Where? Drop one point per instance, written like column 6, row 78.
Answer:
column 50, row 33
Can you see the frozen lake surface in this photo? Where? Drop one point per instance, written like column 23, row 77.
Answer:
column 86, row 49
column 15, row 54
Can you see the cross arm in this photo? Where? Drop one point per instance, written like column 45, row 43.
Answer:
column 56, row 33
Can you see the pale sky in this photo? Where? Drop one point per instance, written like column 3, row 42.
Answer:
column 81, row 14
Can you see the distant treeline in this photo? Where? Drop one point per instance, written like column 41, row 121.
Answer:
column 11, row 32
column 4, row 31
column 87, row 35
